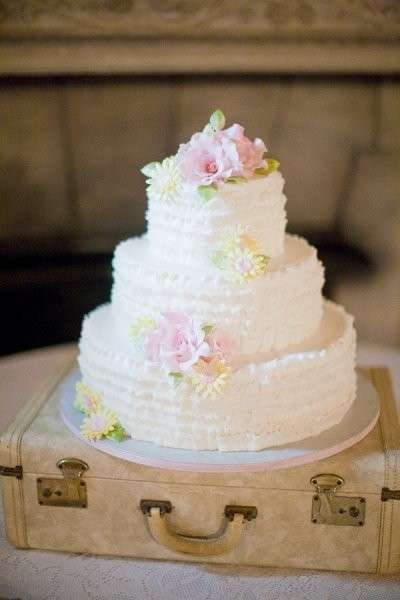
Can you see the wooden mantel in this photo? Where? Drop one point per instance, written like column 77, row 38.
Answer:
column 47, row 37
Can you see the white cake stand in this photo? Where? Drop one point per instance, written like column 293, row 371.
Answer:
column 355, row 425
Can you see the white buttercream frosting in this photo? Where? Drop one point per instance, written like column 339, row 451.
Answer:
column 271, row 398
column 222, row 260
column 282, row 307
column 185, row 232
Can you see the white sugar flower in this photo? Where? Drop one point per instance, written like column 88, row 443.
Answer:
column 139, row 331
column 100, row 423
column 210, row 378
column 86, row 400
column 244, row 265
column 238, row 258
column 164, row 180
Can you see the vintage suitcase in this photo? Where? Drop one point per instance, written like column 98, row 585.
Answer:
column 341, row 513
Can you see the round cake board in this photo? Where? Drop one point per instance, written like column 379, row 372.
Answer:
column 355, row 425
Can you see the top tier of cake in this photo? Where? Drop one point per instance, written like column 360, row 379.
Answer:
column 191, row 233
column 220, row 190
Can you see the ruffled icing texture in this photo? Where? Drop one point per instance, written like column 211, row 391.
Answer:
column 271, row 398
column 282, row 307
column 185, row 233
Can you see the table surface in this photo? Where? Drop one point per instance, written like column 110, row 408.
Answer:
column 38, row 575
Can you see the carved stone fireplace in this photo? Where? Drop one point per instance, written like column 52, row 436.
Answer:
column 199, row 36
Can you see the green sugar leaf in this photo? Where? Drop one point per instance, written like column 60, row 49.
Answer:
column 177, row 377
column 208, row 129
column 261, row 171
column 118, row 433
column 236, row 179
column 265, row 258
column 149, row 169
column 272, row 164
column 219, row 259
column 217, row 120
column 78, row 406
column 208, row 329
column 206, row 192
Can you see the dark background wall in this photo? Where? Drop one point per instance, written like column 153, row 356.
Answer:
column 79, row 118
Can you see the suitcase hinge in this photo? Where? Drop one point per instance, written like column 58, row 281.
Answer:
column 388, row 494
column 329, row 509
column 11, row 471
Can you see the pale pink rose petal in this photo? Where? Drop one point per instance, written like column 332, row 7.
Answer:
column 152, row 346
column 177, row 343
column 175, row 318
column 221, row 343
column 202, row 351
column 206, row 159
column 250, row 153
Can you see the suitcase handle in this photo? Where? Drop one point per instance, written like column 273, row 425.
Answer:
column 220, row 542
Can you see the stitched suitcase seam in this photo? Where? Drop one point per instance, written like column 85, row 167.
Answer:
column 43, row 393
column 383, row 507
column 390, row 459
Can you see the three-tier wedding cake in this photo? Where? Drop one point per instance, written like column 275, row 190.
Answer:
column 217, row 335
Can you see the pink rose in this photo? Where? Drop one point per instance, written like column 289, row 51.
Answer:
column 221, row 344
column 208, row 159
column 177, row 343
column 250, row 153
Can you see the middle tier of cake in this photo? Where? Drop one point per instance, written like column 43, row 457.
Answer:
column 280, row 308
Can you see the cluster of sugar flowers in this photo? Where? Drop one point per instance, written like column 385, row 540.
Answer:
column 211, row 157
column 238, row 257
column 186, row 350
column 99, row 421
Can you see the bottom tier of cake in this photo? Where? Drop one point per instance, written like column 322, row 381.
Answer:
column 269, row 400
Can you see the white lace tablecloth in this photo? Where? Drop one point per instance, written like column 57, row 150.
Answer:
column 37, row 575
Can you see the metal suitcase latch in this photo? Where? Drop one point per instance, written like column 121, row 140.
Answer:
column 329, row 509
column 69, row 491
